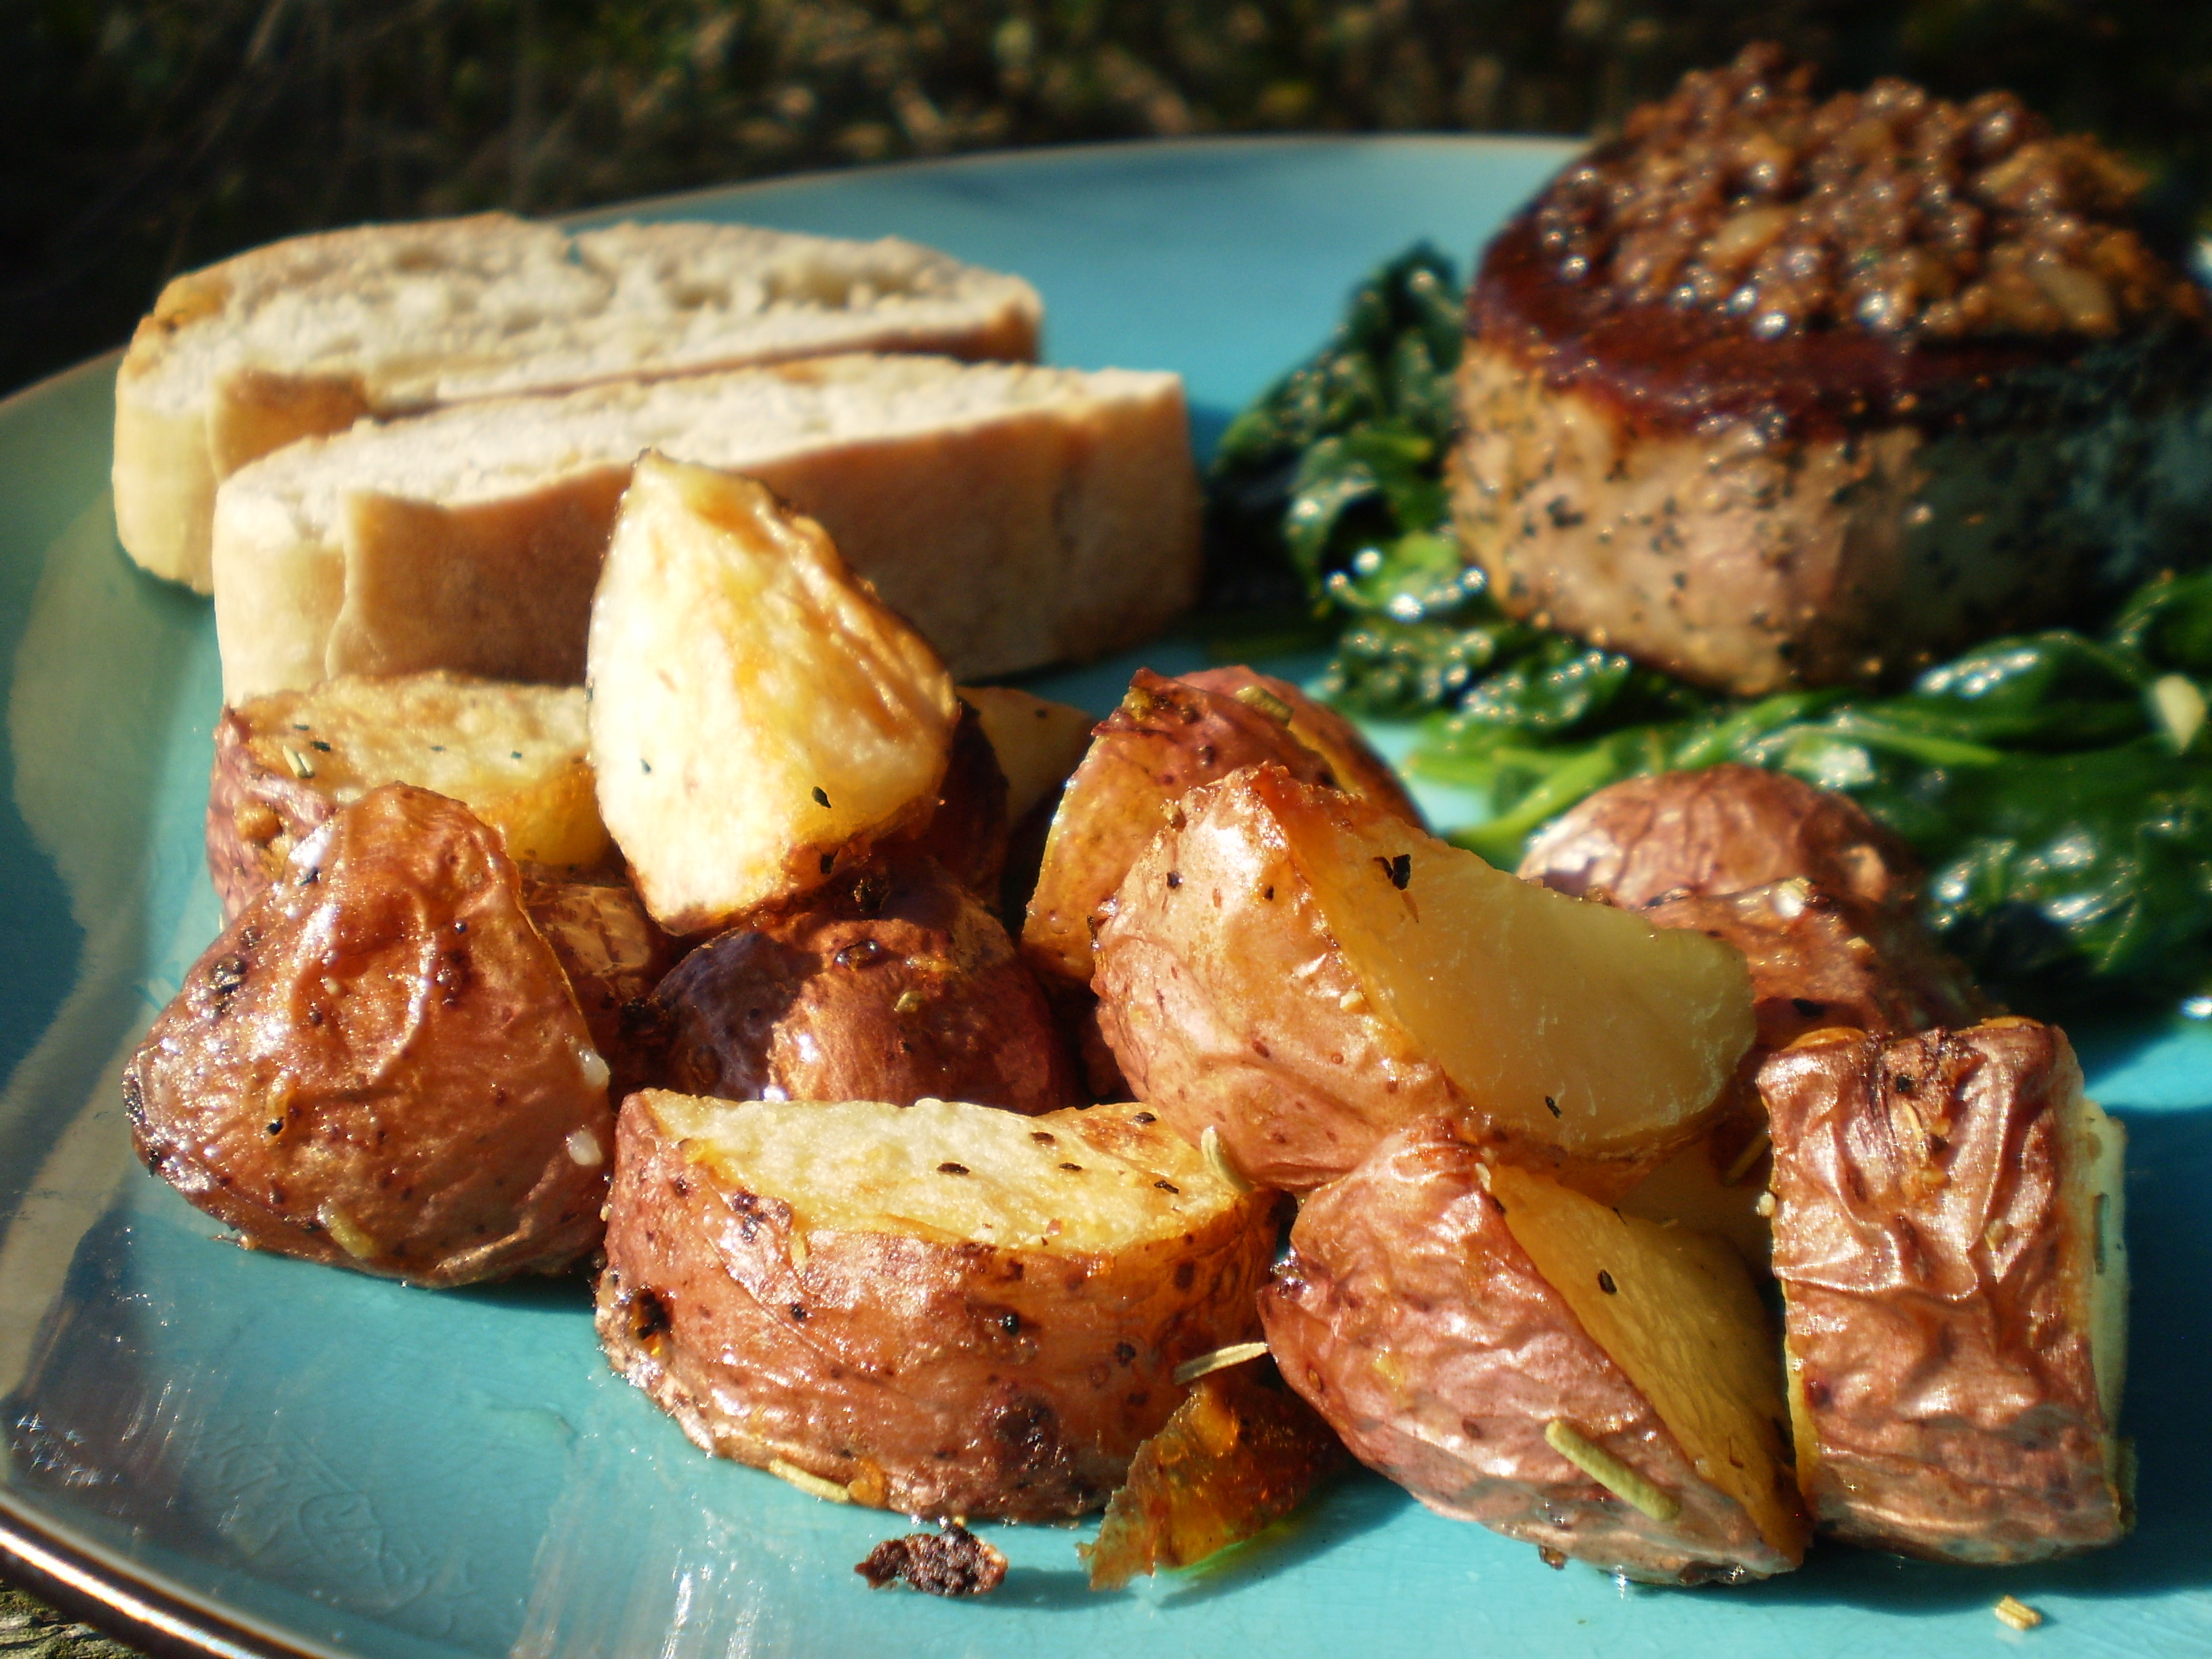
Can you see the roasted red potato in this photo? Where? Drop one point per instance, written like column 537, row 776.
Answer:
column 380, row 1065
column 1722, row 829
column 940, row 1309
column 1167, row 738
column 1512, row 1352
column 1302, row 972
column 614, row 955
column 513, row 755
column 759, row 719
column 892, row 983
column 1948, row 1233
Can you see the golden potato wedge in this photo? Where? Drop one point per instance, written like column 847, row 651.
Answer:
column 758, row 717
column 379, row 1064
column 1718, row 830
column 1038, row 743
column 513, row 755
column 1167, row 736
column 939, row 1309
column 1303, row 973
column 892, row 983
column 1514, row 1353
column 1948, row 1233
column 1237, row 1457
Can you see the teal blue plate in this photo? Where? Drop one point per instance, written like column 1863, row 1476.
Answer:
column 250, row 1453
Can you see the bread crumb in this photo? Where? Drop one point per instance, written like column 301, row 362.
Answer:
column 2017, row 1613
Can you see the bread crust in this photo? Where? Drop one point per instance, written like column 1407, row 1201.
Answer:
column 1938, row 1246
column 1012, row 537
column 197, row 397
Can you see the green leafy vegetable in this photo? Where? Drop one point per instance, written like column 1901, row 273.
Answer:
column 2058, row 784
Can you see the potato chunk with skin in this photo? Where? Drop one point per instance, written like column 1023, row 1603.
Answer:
column 890, row 984
column 379, row 1064
column 1722, row 829
column 613, row 956
column 758, row 719
column 1448, row 1319
column 513, row 755
column 1304, row 973
column 1166, row 738
column 1948, row 1236
column 940, row 1309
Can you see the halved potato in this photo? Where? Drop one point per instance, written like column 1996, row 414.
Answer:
column 758, row 717
column 379, row 1064
column 1948, row 1236
column 1514, row 1353
column 940, row 1309
column 1357, row 768
column 1166, row 738
column 1237, row 1456
column 1303, row 973
column 514, row 755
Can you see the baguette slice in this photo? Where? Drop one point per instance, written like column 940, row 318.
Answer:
column 306, row 336
column 1016, row 515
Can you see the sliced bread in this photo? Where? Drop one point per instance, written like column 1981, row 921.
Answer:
column 306, row 336
column 1016, row 515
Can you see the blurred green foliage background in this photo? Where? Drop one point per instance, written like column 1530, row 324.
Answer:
column 145, row 137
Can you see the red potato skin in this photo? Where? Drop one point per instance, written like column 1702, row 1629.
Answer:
column 383, row 1030
column 614, row 954
column 1409, row 1317
column 933, row 1379
column 254, row 817
column 1720, row 830
column 1820, row 958
column 1942, row 1377
column 968, row 832
column 1167, row 738
column 1358, row 769
column 807, row 1005
column 1300, row 1104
